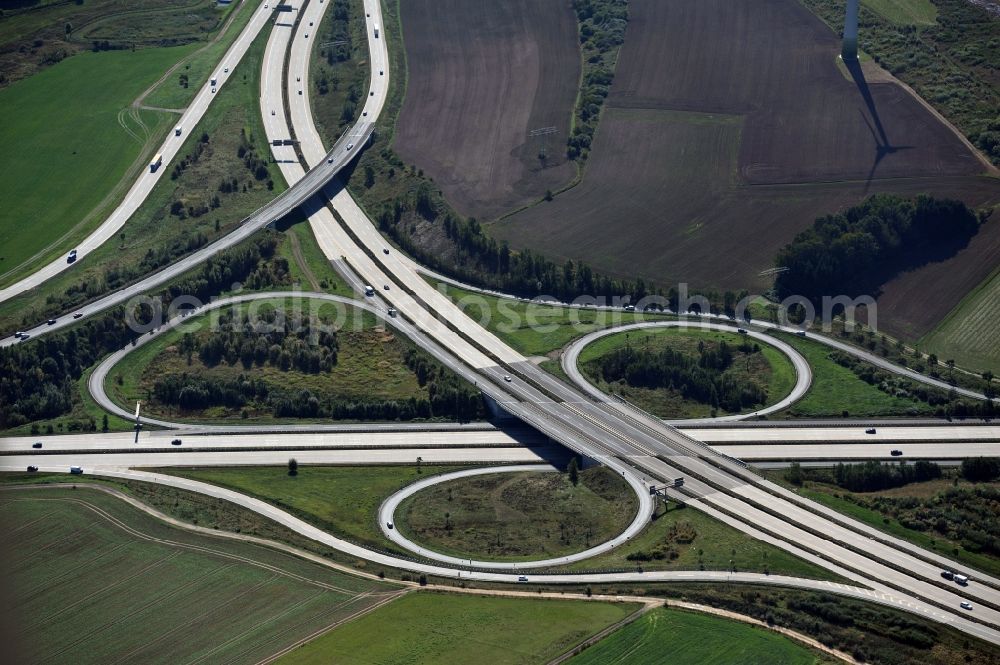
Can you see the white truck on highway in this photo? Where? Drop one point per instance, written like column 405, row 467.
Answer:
column 369, row 290
column 155, row 164
column 376, row 31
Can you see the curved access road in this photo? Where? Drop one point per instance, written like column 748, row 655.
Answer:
column 803, row 373
column 301, row 191
column 98, row 378
column 863, row 591
column 147, row 180
column 387, row 516
column 622, row 437
column 872, row 358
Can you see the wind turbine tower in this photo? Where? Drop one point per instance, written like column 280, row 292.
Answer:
column 849, row 50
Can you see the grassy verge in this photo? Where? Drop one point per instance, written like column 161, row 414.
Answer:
column 339, row 68
column 837, row 391
column 38, row 35
column 445, row 629
column 535, row 329
column 308, row 266
column 518, row 516
column 768, row 370
column 679, row 637
column 222, row 174
column 685, row 539
column 900, row 510
column 246, row 595
column 341, row 500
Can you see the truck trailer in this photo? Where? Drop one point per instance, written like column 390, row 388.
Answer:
column 155, row 164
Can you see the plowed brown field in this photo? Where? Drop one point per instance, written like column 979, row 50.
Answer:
column 482, row 77
column 729, row 128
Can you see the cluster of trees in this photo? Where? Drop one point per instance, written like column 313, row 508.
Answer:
column 854, row 252
column 981, row 469
column 255, row 165
column 478, row 258
column 38, row 379
column 296, row 345
column 965, row 516
column 869, row 632
column 704, row 378
column 196, row 393
column 602, row 31
column 105, row 45
column 874, row 476
column 287, row 343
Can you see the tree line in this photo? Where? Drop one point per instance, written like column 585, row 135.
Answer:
column 38, row 378
column 291, row 345
column 703, row 378
column 602, row 26
column 856, row 251
column 873, row 476
column 948, row 403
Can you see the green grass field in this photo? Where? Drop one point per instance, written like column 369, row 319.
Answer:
column 969, row 334
column 519, row 516
column 770, row 369
column 232, row 121
column 439, row 629
column 836, row 390
column 343, row 500
column 535, row 329
column 678, row 637
column 691, row 540
column 86, row 589
column 904, row 12
column 61, row 166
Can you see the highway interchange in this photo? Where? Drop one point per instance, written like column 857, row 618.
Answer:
column 643, row 449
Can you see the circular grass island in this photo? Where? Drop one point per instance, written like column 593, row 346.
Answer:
column 680, row 373
column 520, row 516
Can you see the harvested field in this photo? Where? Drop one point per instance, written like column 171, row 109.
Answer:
column 683, row 215
column 481, row 77
column 729, row 129
column 80, row 557
column 775, row 63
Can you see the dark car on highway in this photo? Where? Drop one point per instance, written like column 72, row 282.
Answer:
column 36, row 444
